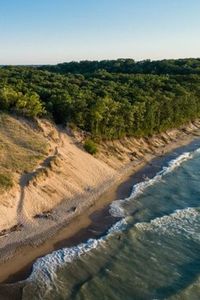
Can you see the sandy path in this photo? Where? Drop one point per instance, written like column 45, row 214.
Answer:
column 22, row 215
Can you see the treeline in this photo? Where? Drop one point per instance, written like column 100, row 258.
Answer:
column 129, row 66
column 106, row 104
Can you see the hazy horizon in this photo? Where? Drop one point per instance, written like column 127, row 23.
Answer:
column 118, row 58
column 47, row 32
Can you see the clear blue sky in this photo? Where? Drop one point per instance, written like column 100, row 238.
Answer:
column 52, row 31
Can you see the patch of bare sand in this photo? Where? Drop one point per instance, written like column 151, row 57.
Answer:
column 68, row 175
column 69, row 181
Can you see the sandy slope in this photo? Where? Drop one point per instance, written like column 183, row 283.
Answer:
column 69, row 180
column 66, row 175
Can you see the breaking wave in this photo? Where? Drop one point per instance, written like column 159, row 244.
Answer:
column 116, row 208
column 184, row 222
column 45, row 268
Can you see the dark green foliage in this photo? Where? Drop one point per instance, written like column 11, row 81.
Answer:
column 90, row 146
column 108, row 99
column 28, row 104
column 129, row 66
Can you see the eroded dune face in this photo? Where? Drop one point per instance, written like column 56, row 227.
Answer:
column 54, row 179
column 21, row 148
column 59, row 170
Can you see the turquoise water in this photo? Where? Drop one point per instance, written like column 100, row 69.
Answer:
column 153, row 252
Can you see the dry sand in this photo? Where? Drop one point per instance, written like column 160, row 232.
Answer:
column 62, row 193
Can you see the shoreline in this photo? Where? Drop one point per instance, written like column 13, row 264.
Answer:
column 87, row 223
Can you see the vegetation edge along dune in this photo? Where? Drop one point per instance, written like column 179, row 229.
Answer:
column 65, row 179
column 122, row 112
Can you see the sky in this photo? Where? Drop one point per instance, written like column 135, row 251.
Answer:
column 54, row 31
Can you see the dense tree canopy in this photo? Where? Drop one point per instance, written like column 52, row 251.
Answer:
column 129, row 66
column 109, row 99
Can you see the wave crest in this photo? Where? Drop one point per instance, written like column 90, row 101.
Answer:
column 116, row 208
column 185, row 222
column 45, row 268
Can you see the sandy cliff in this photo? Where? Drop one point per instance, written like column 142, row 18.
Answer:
column 68, row 180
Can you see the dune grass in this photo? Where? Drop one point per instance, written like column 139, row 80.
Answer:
column 21, row 148
column 5, row 181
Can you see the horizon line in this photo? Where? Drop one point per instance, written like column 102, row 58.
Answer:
column 96, row 60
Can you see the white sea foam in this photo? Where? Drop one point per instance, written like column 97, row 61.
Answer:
column 118, row 227
column 117, row 209
column 197, row 150
column 45, row 268
column 185, row 222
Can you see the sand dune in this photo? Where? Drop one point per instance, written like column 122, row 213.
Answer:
column 68, row 180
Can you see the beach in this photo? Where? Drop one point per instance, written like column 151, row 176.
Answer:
column 91, row 220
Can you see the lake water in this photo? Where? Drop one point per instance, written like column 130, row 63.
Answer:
column 153, row 252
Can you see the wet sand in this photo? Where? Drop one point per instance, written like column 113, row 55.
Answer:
column 93, row 222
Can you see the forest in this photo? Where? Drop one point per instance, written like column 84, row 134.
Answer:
column 107, row 99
